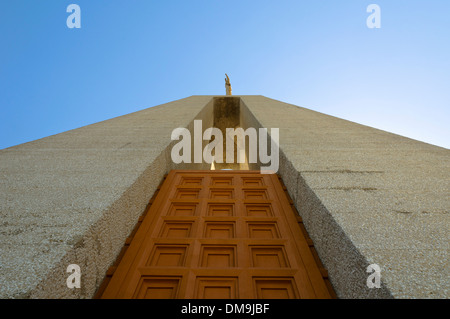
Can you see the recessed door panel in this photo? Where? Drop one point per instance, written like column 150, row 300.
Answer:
column 218, row 235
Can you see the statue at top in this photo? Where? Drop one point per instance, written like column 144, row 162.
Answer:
column 227, row 85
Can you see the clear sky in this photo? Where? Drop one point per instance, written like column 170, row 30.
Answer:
column 134, row 54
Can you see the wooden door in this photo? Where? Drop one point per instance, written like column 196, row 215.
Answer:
column 218, row 235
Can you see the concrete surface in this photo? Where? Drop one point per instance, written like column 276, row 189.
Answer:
column 74, row 197
column 366, row 196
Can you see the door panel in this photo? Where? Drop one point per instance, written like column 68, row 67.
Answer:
column 219, row 235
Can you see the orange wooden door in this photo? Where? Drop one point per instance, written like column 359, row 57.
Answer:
column 218, row 235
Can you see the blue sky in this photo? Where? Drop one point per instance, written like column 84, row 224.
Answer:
column 131, row 55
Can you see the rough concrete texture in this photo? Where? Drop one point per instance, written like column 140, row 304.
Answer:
column 74, row 197
column 366, row 196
